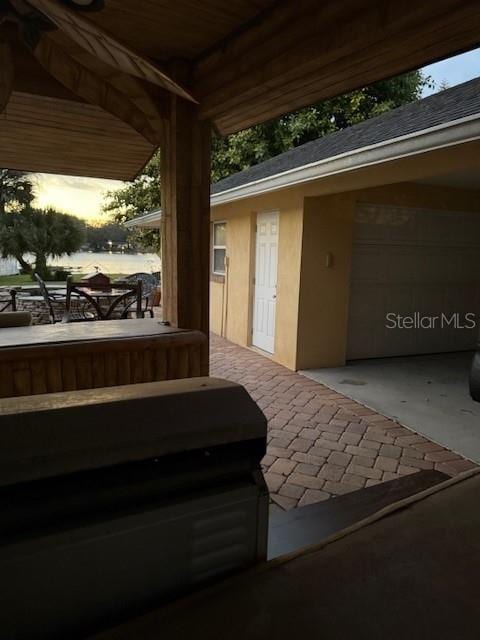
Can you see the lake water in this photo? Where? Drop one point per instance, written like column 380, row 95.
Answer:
column 124, row 263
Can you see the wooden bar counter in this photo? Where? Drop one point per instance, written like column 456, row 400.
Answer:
column 87, row 355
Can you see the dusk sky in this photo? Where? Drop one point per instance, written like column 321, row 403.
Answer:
column 83, row 196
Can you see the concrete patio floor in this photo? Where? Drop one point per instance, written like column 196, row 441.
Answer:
column 429, row 394
column 321, row 443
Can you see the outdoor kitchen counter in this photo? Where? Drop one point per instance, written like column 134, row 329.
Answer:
column 86, row 355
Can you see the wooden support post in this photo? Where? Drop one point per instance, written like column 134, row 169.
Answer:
column 185, row 179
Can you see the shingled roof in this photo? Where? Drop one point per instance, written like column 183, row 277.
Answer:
column 446, row 106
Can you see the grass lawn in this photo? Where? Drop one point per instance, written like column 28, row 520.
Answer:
column 21, row 278
column 15, row 280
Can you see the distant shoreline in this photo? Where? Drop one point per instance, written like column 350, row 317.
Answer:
column 106, row 262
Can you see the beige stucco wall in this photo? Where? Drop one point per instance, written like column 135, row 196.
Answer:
column 324, row 280
column 324, row 291
column 229, row 300
column 315, row 219
column 232, row 299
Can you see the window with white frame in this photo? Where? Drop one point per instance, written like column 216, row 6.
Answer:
column 219, row 251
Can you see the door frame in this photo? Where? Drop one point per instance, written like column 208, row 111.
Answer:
column 253, row 273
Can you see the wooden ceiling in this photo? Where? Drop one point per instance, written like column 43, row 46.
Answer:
column 166, row 29
column 247, row 61
column 289, row 59
column 57, row 136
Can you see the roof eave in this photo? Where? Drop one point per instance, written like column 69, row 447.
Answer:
column 150, row 220
column 444, row 135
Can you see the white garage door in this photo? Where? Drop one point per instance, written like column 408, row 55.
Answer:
column 415, row 264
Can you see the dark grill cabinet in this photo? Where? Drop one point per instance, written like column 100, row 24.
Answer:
column 115, row 499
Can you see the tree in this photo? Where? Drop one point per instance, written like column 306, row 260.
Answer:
column 16, row 190
column 100, row 236
column 257, row 144
column 137, row 197
column 40, row 234
column 251, row 146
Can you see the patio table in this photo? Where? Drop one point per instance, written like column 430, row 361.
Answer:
column 30, row 293
column 66, row 357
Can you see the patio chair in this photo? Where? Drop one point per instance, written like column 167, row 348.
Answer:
column 8, row 301
column 149, row 284
column 105, row 302
column 56, row 305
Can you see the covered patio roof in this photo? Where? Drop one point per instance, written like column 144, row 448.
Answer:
column 93, row 87
column 244, row 62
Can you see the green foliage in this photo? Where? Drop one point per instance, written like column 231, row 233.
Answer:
column 60, row 275
column 246, row 148
column 41, row 234
column 137, row 197
column 98, row 237
column 16, row 190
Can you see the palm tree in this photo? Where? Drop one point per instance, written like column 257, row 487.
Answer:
column 41, row 234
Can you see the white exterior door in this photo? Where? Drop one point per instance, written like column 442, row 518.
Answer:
column 265, row 289
column 417, row 263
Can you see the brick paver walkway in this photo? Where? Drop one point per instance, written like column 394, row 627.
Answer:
column 321, row 443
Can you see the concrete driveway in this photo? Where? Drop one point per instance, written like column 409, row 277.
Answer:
column 428, row 394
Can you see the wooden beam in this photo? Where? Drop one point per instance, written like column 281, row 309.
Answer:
column 300, row 54
column 103, row 46
column 30, row 77
column 6, row 74
column 185, row 181
column 92, row 88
